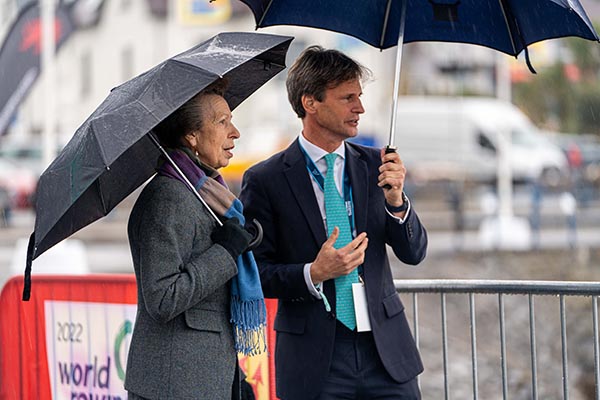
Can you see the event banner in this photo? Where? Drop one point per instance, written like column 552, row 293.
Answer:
column 87, row 345
column 71, row 340
column 20, row 56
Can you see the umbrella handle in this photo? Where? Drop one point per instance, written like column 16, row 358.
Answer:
column 257, row 231
column 389, row 149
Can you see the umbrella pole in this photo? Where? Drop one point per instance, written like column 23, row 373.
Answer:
column 390, row 147
column 186, row 180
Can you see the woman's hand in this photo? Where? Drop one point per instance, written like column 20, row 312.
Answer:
column 232, row 236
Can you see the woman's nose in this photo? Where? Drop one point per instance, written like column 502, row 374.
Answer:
column 235, row 133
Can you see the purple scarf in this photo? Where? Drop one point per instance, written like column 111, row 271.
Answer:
column 248, row 311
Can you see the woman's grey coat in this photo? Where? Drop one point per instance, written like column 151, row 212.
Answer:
column 182, row 345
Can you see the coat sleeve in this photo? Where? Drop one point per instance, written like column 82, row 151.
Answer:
column 279, row 280
column 408, row 240
column 179, row 266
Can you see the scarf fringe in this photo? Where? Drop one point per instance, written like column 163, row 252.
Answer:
column 249, row 322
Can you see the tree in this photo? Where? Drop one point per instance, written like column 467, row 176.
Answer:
column 566, row 95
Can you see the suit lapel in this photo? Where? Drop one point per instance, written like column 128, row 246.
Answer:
column 297, row 176
column 357, row 170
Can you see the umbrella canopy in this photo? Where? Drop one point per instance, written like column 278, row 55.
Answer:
column 508, row 26
column 111, row 153
column 505, row 25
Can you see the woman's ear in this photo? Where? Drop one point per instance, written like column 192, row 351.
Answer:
column 190, row 141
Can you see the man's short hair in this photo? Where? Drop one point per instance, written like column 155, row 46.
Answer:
column 318, row 69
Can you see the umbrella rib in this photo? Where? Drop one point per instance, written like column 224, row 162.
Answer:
column 262, row 17
column 385, row 22
column 105, row 162
column 194, row 68
column 523, row 43
column 510, row 35
column 149, row 111
column 100, row 148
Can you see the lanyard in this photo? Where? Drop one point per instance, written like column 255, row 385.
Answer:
column 347, row 189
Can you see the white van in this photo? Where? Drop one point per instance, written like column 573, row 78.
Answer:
column 455, row 138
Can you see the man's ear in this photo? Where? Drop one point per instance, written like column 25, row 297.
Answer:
column 309, row 104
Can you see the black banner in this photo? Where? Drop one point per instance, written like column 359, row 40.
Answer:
column 20, row 56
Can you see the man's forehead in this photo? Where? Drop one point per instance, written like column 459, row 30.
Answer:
column 349, row 86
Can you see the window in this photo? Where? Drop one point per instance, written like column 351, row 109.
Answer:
column 485, row 142
column 127, row 69
column 86, row 74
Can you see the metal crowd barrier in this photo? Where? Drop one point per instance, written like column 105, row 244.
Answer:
column 530, row 289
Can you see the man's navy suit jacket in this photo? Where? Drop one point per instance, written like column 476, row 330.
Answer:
column 278, row 192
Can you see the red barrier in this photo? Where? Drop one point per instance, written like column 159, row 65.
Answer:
column 70, row 340
column 271, row 312
column 24, row 365
column 260, row 370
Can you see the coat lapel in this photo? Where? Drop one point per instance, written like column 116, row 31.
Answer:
column 297, row 176
column 357, row 170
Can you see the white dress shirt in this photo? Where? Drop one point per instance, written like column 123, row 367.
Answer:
column 317, row 155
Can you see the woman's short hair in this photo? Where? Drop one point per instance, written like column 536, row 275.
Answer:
column 188, row 117
column 318, row 69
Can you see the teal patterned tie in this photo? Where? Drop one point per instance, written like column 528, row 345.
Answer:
column 336, row 215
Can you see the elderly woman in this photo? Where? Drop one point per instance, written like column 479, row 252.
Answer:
column 194, row 277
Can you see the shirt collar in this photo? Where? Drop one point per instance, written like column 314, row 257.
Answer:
column 316, row 153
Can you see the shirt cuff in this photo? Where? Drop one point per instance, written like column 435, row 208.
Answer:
column 309, row 283
column 398, row 219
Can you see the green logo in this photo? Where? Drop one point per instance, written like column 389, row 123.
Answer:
column 125, row 330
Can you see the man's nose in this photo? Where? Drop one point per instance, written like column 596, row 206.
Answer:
column 359, row 109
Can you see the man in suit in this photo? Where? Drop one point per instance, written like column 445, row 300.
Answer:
column 312, row 260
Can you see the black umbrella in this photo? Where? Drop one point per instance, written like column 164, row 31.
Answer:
column 112, row 154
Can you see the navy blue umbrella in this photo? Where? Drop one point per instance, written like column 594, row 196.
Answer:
column 508, row 26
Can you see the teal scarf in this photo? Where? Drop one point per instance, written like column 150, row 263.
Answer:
column 248, row 311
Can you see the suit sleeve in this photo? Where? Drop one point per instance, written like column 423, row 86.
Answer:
column 279, row 280
column 408, row 240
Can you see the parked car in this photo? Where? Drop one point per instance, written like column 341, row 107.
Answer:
column 456, row 138
column 19, row 183
column 588, row 147
column 24, row 155
column 583, row 154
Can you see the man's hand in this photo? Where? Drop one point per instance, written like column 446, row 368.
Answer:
column 331, row 262
column 392, row 172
